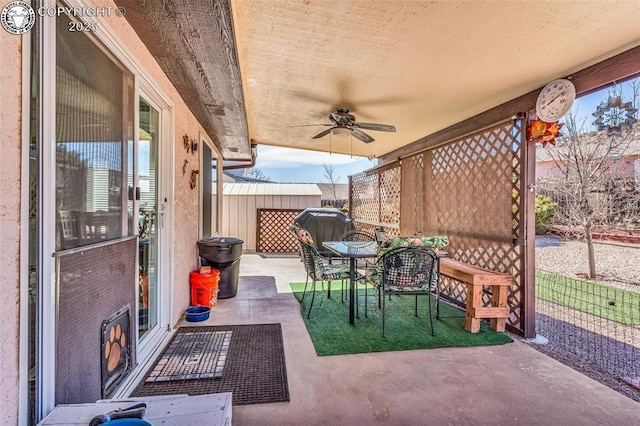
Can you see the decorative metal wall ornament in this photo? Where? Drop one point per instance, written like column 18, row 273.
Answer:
column 185, row 141
column 184, row 167
column 194, row 176
column 190, row 145
column 543, row 132
column 614, row 115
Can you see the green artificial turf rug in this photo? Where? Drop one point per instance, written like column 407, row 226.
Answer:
column 332, row 334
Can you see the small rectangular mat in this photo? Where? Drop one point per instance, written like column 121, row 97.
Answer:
column 278, row 255
column 254, row 371
column 198, row 355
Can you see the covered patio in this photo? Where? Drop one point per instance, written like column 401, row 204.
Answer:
column 441, row 94
column 490, row 385
column 444, row 92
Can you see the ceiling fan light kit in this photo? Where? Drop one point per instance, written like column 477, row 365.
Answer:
column 341, row 132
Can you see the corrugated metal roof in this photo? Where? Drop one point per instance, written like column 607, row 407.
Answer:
column 341, row 191
column 235, row 188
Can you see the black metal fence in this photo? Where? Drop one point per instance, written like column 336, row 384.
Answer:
column 598, row 323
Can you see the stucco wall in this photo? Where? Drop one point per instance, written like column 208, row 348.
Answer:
column 10, row 146
column 544, row 169
column 186, row 208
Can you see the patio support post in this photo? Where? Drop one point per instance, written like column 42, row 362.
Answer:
column 379, row 196
column 527, row 231
column 350, row 197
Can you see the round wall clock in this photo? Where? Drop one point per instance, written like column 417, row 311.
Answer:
column 555, row 100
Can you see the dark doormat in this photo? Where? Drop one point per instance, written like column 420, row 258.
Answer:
column 255, row 370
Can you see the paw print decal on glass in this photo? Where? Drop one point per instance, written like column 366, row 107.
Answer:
column 113, row 347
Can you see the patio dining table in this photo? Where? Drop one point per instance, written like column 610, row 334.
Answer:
column 352, row 250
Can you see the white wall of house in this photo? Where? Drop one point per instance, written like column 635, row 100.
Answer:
column 241, row 202
column 10, row 226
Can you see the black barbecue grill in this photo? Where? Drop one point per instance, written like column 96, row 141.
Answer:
column 324, row 224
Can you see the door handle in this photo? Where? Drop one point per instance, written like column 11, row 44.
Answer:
column 131, row 193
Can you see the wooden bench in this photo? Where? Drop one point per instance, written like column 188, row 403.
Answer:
column 476, row 279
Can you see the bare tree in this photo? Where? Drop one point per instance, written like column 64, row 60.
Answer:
column 256, row 173
column 588, row 182
column 332, row 177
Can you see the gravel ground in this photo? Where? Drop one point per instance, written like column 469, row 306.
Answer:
column 617, row 265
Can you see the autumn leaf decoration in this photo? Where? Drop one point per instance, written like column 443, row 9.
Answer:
column 543, row 132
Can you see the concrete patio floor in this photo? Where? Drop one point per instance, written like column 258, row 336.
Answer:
column 493, row 385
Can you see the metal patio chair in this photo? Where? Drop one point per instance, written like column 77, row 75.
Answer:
column 409, row 271
column 381, row 236
column 360, row 236
column 315, row 267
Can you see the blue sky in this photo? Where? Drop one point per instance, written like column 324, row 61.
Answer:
column 302, row 166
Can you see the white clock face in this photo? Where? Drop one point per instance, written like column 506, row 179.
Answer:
column 555, row 100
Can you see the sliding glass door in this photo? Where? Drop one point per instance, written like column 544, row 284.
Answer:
column 146, row 205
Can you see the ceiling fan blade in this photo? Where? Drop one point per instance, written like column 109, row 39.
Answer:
column 375, row 126
column 311, row 125
column 322, row 134
column 361, row 135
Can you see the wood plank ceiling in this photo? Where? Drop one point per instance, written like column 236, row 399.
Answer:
column 420, row 66
column 193, row 43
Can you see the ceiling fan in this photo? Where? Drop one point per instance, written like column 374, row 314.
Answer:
column 344, row 124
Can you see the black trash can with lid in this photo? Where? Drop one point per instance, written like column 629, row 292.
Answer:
column 223, row 254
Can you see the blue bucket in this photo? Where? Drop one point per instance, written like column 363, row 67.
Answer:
column 197, row 313
column 128, row 422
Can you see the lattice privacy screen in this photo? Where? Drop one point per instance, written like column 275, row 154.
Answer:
column 365, row 197
column 273, row 234
column 376, row 200
column 468, row 189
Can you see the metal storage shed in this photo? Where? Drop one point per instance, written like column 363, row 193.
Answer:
column 241, row 202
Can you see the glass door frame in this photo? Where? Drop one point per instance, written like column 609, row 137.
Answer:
column 148, row 343
column 46, row 325
column 214, row 201
column 164, row 219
